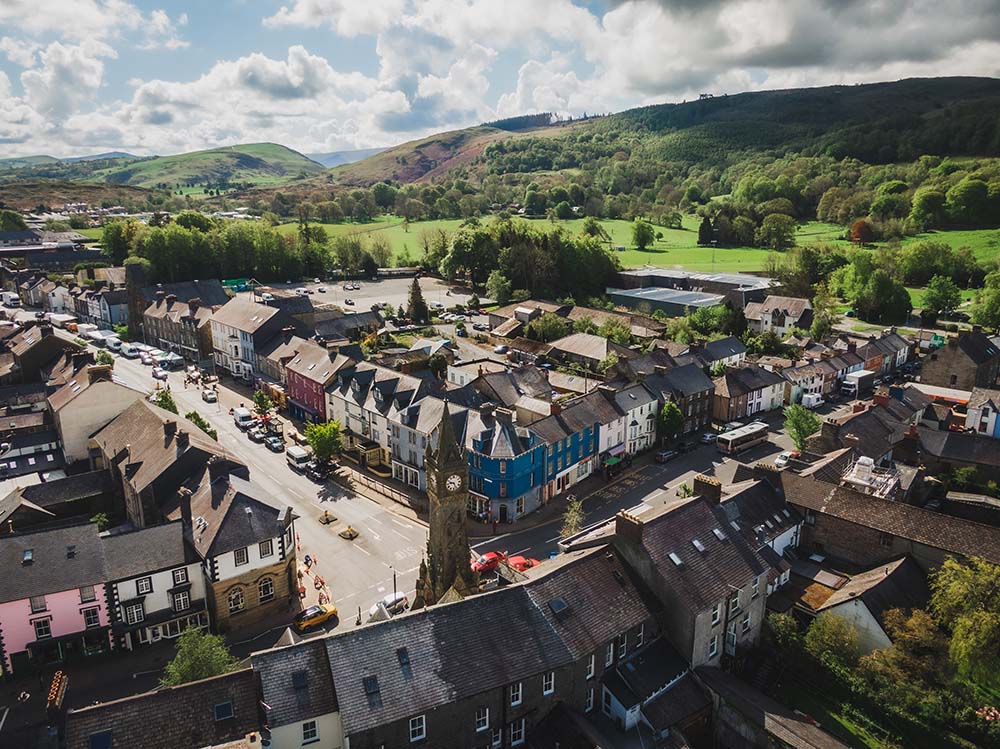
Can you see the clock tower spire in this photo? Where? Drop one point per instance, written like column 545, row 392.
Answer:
column 448, row 562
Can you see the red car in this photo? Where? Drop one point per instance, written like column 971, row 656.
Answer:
column 488, row 561
column 522, row 563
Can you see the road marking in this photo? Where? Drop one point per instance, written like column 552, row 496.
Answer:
column 376, row 520
column 374, row 534
column 381, row 589
column 363, row 551
column 401, row 535
column 400, row 523
column 554, row 538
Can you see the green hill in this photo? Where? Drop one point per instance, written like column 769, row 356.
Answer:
column 27, row 161
column 246, row 165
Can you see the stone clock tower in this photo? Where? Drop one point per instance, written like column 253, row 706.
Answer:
column 448, row 563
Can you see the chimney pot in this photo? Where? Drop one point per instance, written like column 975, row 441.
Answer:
column 160, row 293
column 707, row 487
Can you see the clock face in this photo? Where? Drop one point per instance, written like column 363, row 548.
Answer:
column 454, row 482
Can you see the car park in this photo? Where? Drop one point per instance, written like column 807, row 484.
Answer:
column 314, row 616
column 665, row 456
column 209, row 396
column 274, row 443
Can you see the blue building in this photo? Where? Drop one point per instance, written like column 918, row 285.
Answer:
column 506, row 465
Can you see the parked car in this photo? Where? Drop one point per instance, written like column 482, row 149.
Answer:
column 480, row 326
column 732, row 425
column 314, row 616
column 159, row 373
column 488, row 562
column 395, row 603
column 349, row 301
column 209, row 396
column 321, row 289
column 266, row 296
column 256, row 434
column 317, row 471
column 146, row 359
column 521, row 564
column 782, row 460
column 39, row 315
column 709, row 438
column 665, row 456
column 301, row 292
column 274, row 443
column 460, row 332
column 501, row 349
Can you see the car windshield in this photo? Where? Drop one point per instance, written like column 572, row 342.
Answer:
column 309, row 613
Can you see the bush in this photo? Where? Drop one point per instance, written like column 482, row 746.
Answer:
column 830, row 636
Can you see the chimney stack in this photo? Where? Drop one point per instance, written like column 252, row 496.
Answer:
column 183, row 438
column 287, row 332
column 850, row 440
column 169, row 427
column 81, row 359
column 707, row 487
column 184, row 500
column 171, row 298
column 216, row 467
column 160, row 293
column 45, row 330
column 505, row 415
column 977, row 328
column 628, row 527
column 99, row 373
column 193, row 305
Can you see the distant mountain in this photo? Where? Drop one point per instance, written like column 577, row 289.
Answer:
column 27, row 161
column 100, row 156
column 336, row 158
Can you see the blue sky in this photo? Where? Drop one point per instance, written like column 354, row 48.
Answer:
column 83, row 76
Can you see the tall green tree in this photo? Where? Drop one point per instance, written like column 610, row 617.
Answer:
column 165, row 400
column 834, row 637
column 262, row 403
column 801, row 424
column 642, row 234
column 416, row 307
column 548, row 327
column 573, row 517
column 498, row 287
column 324, row 439
column 965, row 598
column 199, row 655
column 669, row 422
column 941, row 295
column 705, row 231
column 776, row 231
column 12, row 221
column 825, row 313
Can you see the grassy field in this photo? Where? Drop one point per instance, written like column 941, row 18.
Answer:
column 675, row 248
column 984, row 243
column 258, row 163
column 917, row 296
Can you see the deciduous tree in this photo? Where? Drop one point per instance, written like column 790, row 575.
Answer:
column 801, row 424
column 324, row 439
column 199, row 655
column 642, row 235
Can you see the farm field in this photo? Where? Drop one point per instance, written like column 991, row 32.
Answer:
column 984, row 243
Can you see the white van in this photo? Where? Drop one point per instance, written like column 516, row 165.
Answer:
column 297, row 457
column 812, row 400
column 243, row 418
column 114, row 344
column 129, row 351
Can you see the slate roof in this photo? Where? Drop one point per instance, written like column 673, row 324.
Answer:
column 978, row 347
column 290, row 304
column 735, row 383
column 596, row 407
column 179, row 717
column 794, row 730
column 235, row 514
column 509, row 386
column 896, row 585
column 313, row 362
column 983, row 397
column 704, row 577
column 140, row 427
column 210, row 291
column 758, row 511
column 722, row 348
column 959, row 447
column 439, row 655
column 175, row 311
column 791, row 306
column 589, row 582
column 295, row 682
column 78, row 486
column 681, row 701
column 933, row 529
column 78, row 555
column 634, row 396
column 686, row 380
column 244, row 315
column 588, row 346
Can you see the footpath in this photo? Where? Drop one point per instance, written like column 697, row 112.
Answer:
column 402, row 500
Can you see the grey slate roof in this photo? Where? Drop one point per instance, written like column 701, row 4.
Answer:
column 897, row 585
column 209, row 291
column 132, row 552
column 295, row 682
column 450, row 654
column 722, row 348
column 686, row 380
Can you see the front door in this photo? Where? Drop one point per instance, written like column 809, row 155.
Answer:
column 503, row 513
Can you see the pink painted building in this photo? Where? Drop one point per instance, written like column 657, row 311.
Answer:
column 53, row 602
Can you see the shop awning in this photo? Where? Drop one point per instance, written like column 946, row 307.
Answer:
column 617, row 450
column 612, row 461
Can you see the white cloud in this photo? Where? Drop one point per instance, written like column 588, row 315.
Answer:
column 162, row 33
column 21, row 52
column 346, row 17
column 68, row 76
column 71, row 19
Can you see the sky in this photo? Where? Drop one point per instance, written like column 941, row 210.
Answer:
column 85, row 76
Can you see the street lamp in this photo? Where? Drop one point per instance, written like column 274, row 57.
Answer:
column 393, row 581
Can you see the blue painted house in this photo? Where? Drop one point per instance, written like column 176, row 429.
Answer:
column 506, row 465
column 571, row 440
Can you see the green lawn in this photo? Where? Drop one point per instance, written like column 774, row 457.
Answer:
column 984, row 243
column 675, row 248
column 94, row 232
column 917, row 295
column 829, row 715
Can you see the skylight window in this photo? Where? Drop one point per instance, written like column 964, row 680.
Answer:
column 719, row 534
column 735, row 526
column 698, row 545
column 676, row 559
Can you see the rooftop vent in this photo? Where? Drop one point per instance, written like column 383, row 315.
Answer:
column 676, row 559
column 698, row 545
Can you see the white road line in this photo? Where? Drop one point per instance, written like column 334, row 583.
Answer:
column 401, row 535
column 554, row 538
column 363, row 551
column 400, row 523
column 374, row 535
